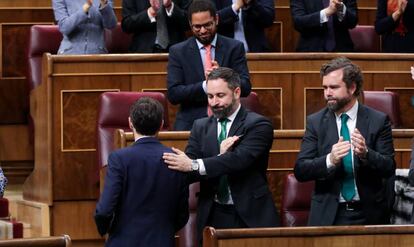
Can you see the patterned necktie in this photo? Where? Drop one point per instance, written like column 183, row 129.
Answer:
column 207, row 65
column 330, row 35
column 223, row 189
column 162, row 30
column 348, row 188
column 207, row 58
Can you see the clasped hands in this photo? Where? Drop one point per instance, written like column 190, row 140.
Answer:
column 334, row 6
column 155, row 6
column 88, row 4
column 342, row 148
column 179, row 161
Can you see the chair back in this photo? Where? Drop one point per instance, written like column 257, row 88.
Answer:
column 116, row 40
column 251, row 102
column 386, row 102
column 113, row 114
column 365, row 39
column 188, row 234
column 296, row 201
column 42, row 38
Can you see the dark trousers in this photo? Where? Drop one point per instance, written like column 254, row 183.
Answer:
column 224, row 216
column 349, row 213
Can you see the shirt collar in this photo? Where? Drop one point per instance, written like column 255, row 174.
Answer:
column 213, row 43
column 352, row 113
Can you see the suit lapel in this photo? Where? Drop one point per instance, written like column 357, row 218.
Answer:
column 211, row 133
column 362, row 125
column 195, row 52
column 238, row 122
column 220, row 48
column 329, row 127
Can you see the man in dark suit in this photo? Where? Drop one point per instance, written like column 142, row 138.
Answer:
column 246, row 20
column 228, row 153
column 143, row 203
column 324, row 24
column 348, row 151
column 155, row 26
column 189, row 63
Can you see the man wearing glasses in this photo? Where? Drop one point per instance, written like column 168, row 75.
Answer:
column 192, row 60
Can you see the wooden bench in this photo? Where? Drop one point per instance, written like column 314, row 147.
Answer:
column 344, row 236
column 62, row 241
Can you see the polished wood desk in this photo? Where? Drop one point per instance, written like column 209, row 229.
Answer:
column 344, row 236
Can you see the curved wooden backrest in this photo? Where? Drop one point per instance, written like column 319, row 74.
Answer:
column 61, row 241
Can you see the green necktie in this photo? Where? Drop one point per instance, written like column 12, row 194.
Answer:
column 223, row 191
column 348, row 189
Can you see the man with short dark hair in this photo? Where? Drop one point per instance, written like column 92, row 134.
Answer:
column 228, row 153
column 190, row 62
column 143, row 203
column 348, row 151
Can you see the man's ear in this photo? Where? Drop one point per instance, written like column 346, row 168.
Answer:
column 217, row 19
column 162, row 124
column 237, row 92
column 131, row 126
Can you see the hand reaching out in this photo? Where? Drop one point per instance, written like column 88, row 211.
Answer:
column 178, row 160
column 228, row 143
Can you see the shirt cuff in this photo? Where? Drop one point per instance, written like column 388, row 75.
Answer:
column 169, row 12
column 152, row 18
column 329, row 164
column 204, row 86
column 233, row 7
column 201, row 168
column 322, row 17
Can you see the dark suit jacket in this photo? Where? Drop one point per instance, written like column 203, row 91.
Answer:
column 371, row 175
column 259, row 15
column 143, row 202
column 385, row 26
column 305, row 14
column 186, row 75
column 135, row 20
column 245, row 166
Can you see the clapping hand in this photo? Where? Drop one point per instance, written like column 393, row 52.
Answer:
column 87, row 5
column 340, row 150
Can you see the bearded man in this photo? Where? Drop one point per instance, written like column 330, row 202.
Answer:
column 228, row 153
column 348, row 151
column 190, row 62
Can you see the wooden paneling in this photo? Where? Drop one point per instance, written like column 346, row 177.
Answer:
column 345, row 236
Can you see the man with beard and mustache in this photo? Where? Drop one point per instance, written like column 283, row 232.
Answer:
column 228, row 153
column 348, row 151
column 190, row 61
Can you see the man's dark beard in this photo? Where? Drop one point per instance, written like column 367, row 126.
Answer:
column 340, row 103
column 205, row 42
column 225, row 112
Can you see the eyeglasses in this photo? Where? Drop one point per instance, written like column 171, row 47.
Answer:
column 208, row 25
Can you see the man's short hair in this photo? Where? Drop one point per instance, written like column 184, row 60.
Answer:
column 146, row 116
column 351, row 72
column 201, row 6
column 228, row 75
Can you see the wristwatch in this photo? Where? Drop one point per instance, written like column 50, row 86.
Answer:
column 194, row 165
